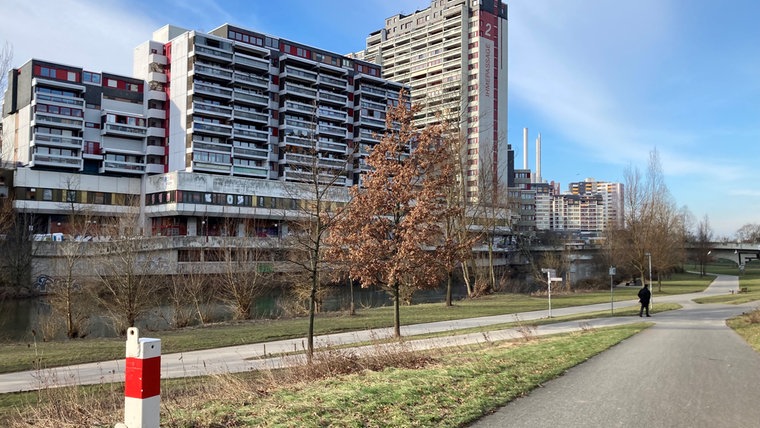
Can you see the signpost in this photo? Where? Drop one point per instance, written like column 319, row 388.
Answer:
column 612, row 300
column 551, row 276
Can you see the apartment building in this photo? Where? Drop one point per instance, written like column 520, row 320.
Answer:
column 611, row 206
column 208, row 138
column 233, row 103
column 453, row 56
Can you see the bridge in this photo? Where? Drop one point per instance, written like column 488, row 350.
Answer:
column 739, row 253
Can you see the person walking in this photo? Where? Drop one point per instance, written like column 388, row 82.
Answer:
column 644, row 296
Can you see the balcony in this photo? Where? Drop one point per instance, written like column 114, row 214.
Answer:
column 331, row 97
column 211, row 167
column 250, row 134
column 297, row 141
column 155, row 58
column 212, row 53
column 332, row 130
column 251, row 62
column 58, row 121
column 333, row 163
column 332, row 81
column 296, row 175
column 211, row 109
column 332, row 146
column 373, row 105
column 72, row 162
column 123, row 167
column 155, row 76
column 298, row 107
column 240, row 114
column 154, row 168
column 156, row 95
column 40, row 81
column 210, row 89
column 155, row 150
column 259, row 172
column 248, row 152
column 298, row 159
column 215, row 129
column 298, row 74
column 124, row 130
column 251, row 79
column 371, row 90
column 60, row 100
column 156, row 113
column 291, row 88
column 56, row 141
column 250, row 98
column 371, row 121
column 157, row 132
column 211, row 72
column 332, row 114
column 369, row 136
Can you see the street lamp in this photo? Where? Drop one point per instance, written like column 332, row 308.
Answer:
column 651, row 291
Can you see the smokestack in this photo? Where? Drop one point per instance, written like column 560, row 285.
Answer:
column 538, row 158
column 525, row 148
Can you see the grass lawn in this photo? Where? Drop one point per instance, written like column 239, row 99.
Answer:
column 446, row 389
column 29, row 356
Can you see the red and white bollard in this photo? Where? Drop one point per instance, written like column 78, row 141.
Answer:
column 142, row 387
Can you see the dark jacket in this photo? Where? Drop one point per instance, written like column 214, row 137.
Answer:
column 644, row 295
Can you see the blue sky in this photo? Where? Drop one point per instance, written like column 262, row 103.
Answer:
column 604, row 82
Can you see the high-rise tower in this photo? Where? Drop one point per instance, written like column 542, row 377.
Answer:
column 453, row 56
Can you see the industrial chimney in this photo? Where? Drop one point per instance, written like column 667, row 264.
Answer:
column 538, row 158
column 525, row 148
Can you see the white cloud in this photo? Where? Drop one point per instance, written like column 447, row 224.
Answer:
column 95, row 35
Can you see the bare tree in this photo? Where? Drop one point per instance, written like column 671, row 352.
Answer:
column 126, row 270
column 393, row 225
column 6, row 58
column 749, row 233
column 321, row 197
column 702, row 243
column 66, row 292
column 247, row 273
column 653, row 225
column 190, row 295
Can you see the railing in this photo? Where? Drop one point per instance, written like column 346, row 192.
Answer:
column 122, row 129
column 64, row 141
column 213, row 52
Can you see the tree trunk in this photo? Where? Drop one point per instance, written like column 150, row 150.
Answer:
column 449, row 281
column 352, row 307
column 396, row 311
column 312, row 311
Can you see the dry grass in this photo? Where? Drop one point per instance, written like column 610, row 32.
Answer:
column 103, row 405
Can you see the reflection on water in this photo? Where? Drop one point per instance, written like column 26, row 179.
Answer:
column 21, row 319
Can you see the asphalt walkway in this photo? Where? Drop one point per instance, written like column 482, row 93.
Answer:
column 689, row 370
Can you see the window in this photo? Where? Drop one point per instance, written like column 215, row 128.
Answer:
column 71, row 76
column 47, row 72
column 111, row 83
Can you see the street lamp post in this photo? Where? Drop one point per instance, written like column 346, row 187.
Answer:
column 651, row 290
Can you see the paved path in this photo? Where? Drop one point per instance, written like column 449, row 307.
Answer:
column 251, row 357
column 689, row 370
